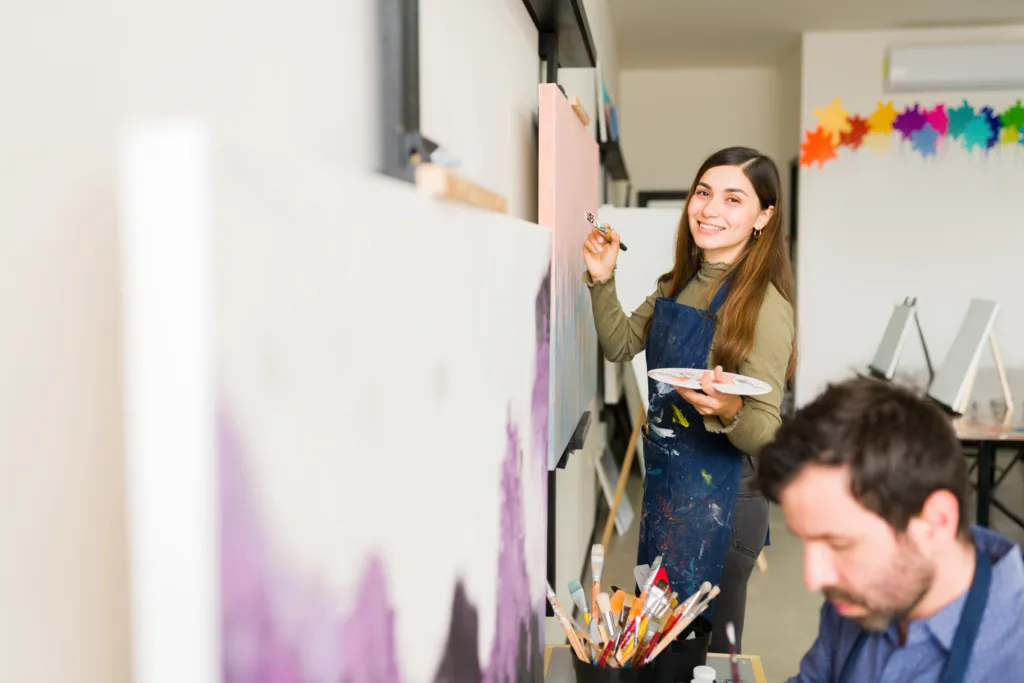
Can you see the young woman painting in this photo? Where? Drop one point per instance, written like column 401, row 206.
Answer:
column 726, row 305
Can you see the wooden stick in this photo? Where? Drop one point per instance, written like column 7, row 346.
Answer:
column 762, row 562
column 442, row 183
column 1004, row 383
column 683, row 622
column 580, row 111
column 627, row 464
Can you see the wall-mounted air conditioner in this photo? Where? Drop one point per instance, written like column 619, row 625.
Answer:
column 996, row 66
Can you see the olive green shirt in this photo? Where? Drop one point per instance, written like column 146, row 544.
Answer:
column 622, row 337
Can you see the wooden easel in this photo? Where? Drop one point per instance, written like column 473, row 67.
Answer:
column 627, row 465
column 1004, row 382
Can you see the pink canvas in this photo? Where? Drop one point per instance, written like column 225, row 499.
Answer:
column 568, row 179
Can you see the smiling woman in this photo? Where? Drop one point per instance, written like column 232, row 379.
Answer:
column 700, row 512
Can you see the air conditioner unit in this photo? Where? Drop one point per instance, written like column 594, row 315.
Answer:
column 995, row 66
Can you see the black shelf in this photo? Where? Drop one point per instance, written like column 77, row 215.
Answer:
column 611, row 159
column 568, row 21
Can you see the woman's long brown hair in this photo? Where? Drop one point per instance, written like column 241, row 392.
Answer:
column 763, row 260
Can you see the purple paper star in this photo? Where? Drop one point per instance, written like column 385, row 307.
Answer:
column 909, row 120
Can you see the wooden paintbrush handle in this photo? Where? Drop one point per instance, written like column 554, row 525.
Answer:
column 672, row 635
column 627, row 465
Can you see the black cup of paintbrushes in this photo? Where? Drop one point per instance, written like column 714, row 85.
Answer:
column 674, row 664
column 680, row 658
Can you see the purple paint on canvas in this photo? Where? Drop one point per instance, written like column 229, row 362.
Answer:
column 513, row 606
column 279, row 626
column 368, row 636
column 274, row 627
column 540, row 412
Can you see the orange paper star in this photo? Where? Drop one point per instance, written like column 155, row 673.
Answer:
column 833, row 119
column 855, row 136
column 882, row 119
column 817, row 147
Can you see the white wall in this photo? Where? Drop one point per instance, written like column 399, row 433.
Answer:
column 73, row 73
column 672, row 119
column 789, row 120
column 876, row 228
column 478, row 85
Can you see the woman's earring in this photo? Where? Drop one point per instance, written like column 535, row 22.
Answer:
column 757, row 232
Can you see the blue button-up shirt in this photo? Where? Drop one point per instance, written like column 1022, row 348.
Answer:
column 998, row 653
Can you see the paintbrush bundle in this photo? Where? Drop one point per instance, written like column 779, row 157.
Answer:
column 621, row 631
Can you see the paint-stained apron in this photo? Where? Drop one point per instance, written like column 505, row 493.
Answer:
column 693, row 475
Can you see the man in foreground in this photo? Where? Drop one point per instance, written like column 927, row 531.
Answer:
column 873, row 481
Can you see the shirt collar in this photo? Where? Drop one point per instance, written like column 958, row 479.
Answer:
column 943, row 624
column 1007, row 581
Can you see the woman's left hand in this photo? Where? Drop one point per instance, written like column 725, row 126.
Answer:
column 712, row 402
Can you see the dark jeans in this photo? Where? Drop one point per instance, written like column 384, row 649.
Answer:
column 749, row 528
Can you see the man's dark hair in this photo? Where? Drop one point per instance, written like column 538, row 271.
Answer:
column 899, row 449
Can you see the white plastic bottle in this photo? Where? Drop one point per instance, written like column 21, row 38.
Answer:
column 703, row 674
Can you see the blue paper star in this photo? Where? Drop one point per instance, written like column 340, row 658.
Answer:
column 994, row 125
column 977, row 133
column 923, row 140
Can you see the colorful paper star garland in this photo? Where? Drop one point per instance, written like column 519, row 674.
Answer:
column 926, row 130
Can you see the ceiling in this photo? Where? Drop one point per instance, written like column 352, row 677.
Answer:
column 678, row 33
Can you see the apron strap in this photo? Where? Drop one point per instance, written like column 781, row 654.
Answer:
column 970, row 621
column 719, row 298
column 966, row 633
column 858, row 645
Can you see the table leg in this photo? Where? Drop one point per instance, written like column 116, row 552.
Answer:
column 986, row 466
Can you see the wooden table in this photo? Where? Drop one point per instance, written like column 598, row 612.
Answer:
column 558, row 666
column 988, row 436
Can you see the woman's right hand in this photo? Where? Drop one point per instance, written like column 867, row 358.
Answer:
column 600, row 254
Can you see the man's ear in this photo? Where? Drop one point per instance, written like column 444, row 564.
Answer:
column 939, row 519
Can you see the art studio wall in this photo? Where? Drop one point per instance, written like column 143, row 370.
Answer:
column 910, row 212
column 73, row 73
column 303, row 77
column 674, row 118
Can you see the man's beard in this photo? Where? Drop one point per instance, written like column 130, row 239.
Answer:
column 894, row 593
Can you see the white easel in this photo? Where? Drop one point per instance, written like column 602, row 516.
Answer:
column 955, row 381
column 887, row 356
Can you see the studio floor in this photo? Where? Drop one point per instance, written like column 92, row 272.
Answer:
column 782, row 616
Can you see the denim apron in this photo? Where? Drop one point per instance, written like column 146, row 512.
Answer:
column 693, row 475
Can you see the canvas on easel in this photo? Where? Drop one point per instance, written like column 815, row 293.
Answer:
column 890, row 348
column 567, row 190
column 955, row 379
column 298, row 510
